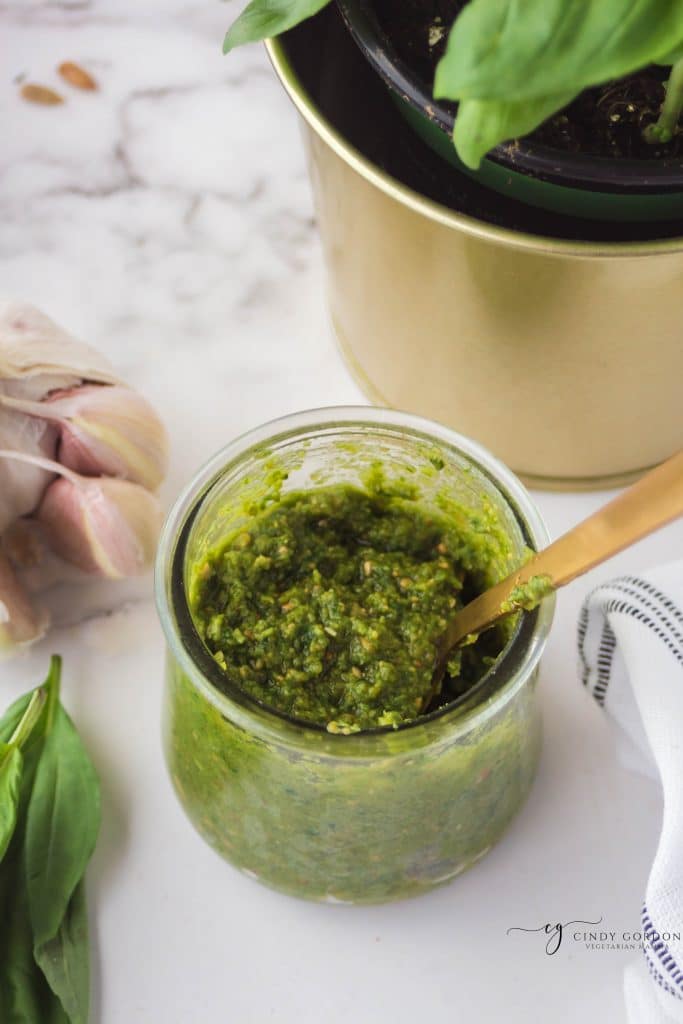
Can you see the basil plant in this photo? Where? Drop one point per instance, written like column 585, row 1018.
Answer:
column 511, row 64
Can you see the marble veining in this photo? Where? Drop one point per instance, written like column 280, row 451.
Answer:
column 167, row 219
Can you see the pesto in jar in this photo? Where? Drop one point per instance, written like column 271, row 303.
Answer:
column 282, row 560
column 327, row 605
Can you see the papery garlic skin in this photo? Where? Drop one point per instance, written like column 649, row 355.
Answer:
column 20, row 621
column 36, row 353
column 104, row 526
column 104, row 431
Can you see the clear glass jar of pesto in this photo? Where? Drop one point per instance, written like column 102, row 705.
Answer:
column 329, row 814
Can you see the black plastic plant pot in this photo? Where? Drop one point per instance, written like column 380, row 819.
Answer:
column 569, row 183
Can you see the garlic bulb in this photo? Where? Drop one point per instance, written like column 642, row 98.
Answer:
column 109, row 431
column 80, row 455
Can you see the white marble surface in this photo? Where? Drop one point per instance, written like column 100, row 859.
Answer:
column 167, row 219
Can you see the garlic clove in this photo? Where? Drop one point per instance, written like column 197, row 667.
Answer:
column 104, row 526
column 114, row 431
column 110, row 431
column 20, row 622
column 34, row 349
column 23, row 484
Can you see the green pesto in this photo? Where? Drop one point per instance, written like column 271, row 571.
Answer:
column 411, row 809
column 527, row 596
column 380, row 814
column 327, row 604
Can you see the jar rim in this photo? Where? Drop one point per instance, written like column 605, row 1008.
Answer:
column 519, row 658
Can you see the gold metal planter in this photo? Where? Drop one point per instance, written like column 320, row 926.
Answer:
column 564, row 358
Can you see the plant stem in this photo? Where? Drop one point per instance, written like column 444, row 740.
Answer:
column 29, row 719
column 53, row 686
column 665, row 127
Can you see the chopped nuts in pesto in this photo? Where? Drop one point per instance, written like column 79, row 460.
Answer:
column 327, row 605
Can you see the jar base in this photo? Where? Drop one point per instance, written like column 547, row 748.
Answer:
column 406, row 894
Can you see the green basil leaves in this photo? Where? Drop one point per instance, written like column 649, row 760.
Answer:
column 263, row 19
column 49, row 820
column 513, row 63
column 11, row 763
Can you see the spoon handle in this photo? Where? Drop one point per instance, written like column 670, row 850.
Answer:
column 655, row 500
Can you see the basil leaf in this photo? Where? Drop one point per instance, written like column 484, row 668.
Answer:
column 11, row 764
column 65, row 962
column 44, row 961
column 262, row 19
column 543, row 53
column 529, row 48
column 62, row 823
column 28, row 710
column 483, row 124
column 674, row 56
column 25, row 996
column 20, row 981
column 13, row 716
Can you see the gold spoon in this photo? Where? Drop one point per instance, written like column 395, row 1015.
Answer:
column 655, row 500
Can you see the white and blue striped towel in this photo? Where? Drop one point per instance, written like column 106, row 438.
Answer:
column 631, row 648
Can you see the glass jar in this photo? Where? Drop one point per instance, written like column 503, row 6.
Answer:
column 375, row 815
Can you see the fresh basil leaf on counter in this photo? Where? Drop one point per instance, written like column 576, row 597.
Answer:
column 65, row 962
column 61, row 830
column 9, row 723
column 50, row 815
column 11, row 763
column 16, row 730
column 25, row 996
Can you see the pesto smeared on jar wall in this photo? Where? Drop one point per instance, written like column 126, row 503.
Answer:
column 327, row 604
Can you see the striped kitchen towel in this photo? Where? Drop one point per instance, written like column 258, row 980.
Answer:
column 631, row 650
